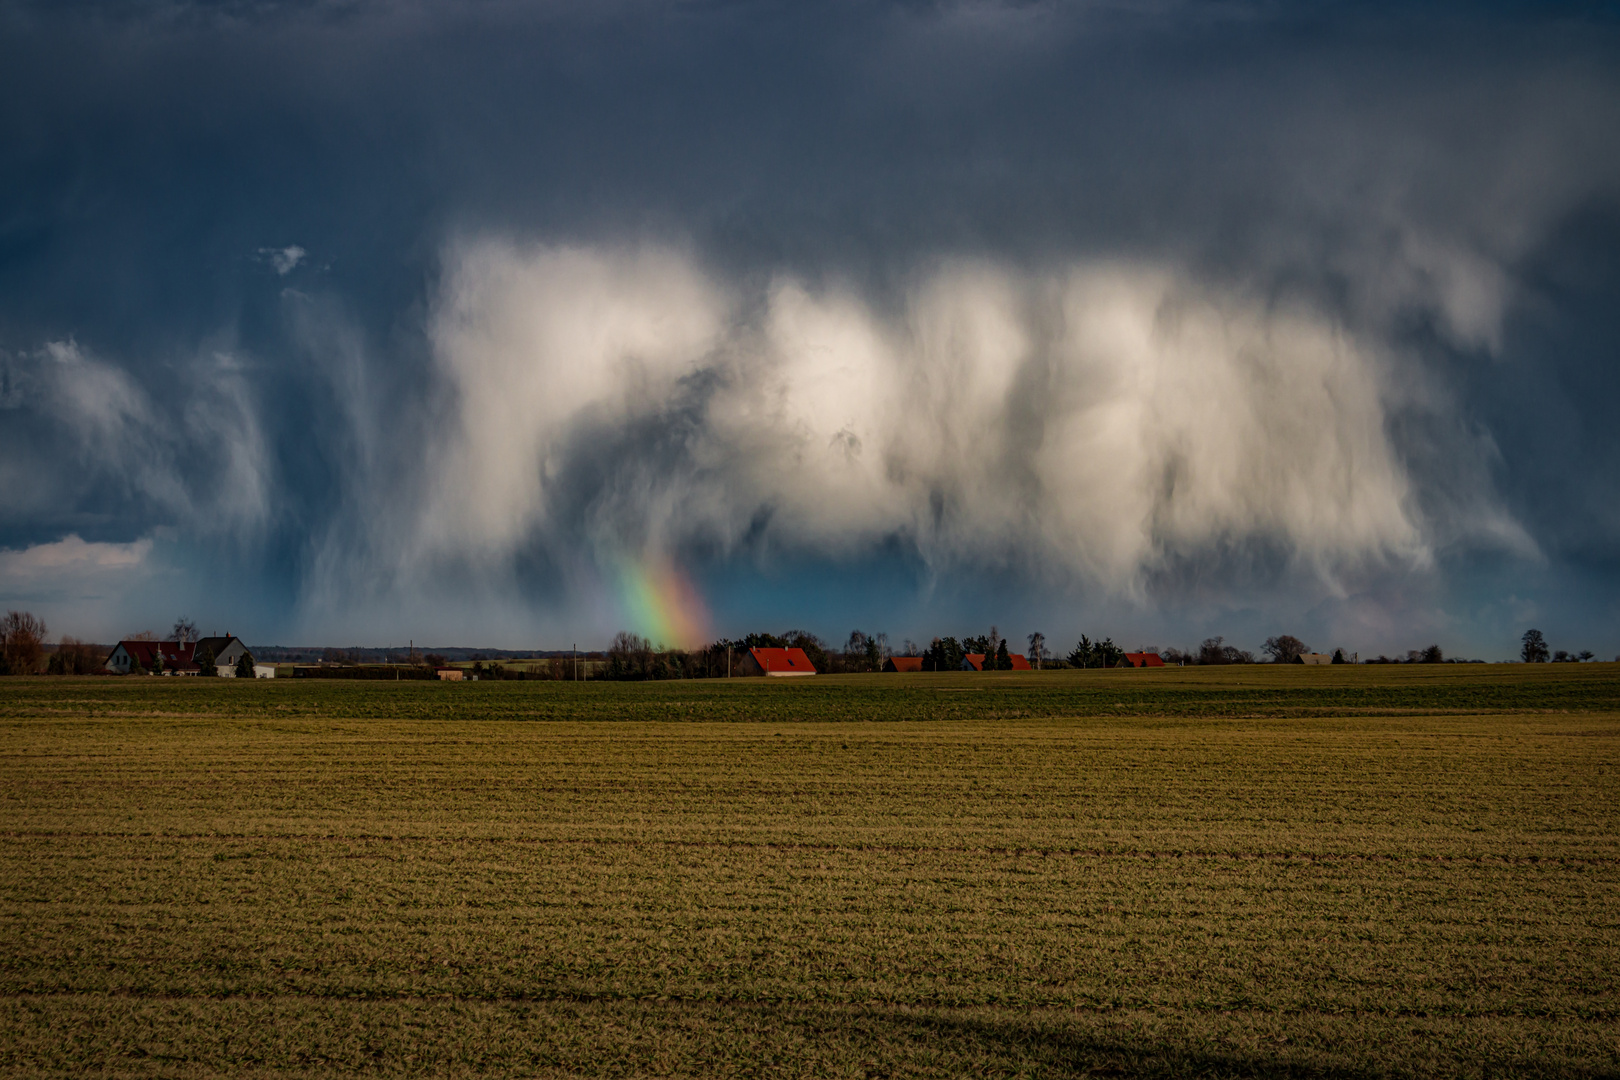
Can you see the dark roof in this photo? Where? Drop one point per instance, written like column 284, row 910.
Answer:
column 220, row 644
column 177, row 655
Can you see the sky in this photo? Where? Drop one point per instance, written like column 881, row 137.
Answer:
column 517, row 324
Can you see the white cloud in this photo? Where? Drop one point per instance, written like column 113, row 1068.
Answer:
column 196, row 452
column 79, row 587
column 284, row 260
column 1095, row 423
column 537, row 346
column 69, row 561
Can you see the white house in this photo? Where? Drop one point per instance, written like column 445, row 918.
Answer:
column 227, row 651
column 179, row 657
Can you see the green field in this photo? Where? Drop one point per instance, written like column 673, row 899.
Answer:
column 1328, row 872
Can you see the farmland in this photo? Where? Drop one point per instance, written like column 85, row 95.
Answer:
column 1348, row 871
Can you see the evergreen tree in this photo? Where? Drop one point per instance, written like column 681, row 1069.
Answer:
column 944, row 654
column 204, row 659
column 244, row 666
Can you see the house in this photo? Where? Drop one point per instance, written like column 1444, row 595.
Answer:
column 449, row 674
column 776, row 662
column 227, row 651
column 176, row 657
column 1142, row 659
column 903, row 663
column 179, row 657
column 264, row 671
column 1314, row 658
column 974, row 661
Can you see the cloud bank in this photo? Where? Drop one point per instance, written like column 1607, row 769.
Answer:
column 1088, row 425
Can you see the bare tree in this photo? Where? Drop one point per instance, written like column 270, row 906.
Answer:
column 815, row 650
column 854, row 656
column 630, row 656
column 1535, row 648
column 1285, row 649
column 184, row 630
column 22, row 639
column 75, row 657
column 1215, row 651
column 1037, row 648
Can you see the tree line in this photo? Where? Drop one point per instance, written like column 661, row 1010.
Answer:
column 24, row 651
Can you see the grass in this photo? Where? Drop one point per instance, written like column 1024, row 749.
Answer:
column 1258, row 690
column 1304, row 872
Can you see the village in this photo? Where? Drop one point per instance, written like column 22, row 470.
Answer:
column 24, row 649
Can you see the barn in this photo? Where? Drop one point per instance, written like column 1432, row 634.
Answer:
column 1142, row 659
column 903, row 663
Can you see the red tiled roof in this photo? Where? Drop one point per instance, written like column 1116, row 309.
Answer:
column 783, row 661
column 1019, row 663
column 903, row 663
column 176, row 654
column 1144, row 659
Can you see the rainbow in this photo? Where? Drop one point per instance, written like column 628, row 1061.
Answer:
column 661, row 604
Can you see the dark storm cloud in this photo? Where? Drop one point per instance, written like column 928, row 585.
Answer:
column 1169, row 300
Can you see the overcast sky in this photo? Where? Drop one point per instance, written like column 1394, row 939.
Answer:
column 348, row 322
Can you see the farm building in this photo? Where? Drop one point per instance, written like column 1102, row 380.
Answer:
column 179, row 657
column 176, row 657
column 227, row 650
column 449, row 674
column 975, row 662
column 903, row 663
column 776, row 662
column 1142, row 659
column 1314, row 658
